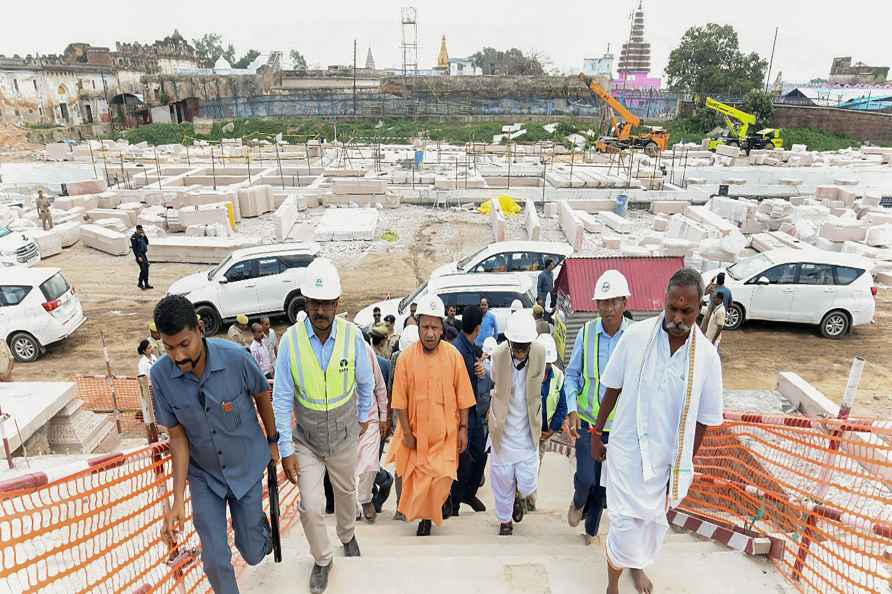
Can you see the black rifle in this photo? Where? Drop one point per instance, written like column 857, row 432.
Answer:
column 273, row 483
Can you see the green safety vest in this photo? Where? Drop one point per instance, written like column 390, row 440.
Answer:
column 554, row 393
column 327, row 390
column 588, row 402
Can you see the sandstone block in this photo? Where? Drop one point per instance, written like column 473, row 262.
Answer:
column 105, row 240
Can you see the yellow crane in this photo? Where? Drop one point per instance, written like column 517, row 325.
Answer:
column 654, row 140
column 738, row 134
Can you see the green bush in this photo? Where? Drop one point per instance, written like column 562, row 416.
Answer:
column 156, row 134
column 818, row 140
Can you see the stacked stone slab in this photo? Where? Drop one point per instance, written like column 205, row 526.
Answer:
column 69, row 233
column 668, row 207
column 255, row 201
column 347, row 224
column 531, row 221
column 98, row 214
column 76, row 430
column 285, row 217
column 682, row 227
column 616, row 222
column 206, row 214
column 197, row 250
column 839, row 230
column 880, row 235
column 571, row 226
column 49, row 243
column 88, row 202
column 105, row 240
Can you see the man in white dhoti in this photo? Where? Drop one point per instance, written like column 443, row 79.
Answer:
column 517, row 368
column 665, row 380
column 368, row 460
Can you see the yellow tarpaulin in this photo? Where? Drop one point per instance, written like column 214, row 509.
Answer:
column 508, row 204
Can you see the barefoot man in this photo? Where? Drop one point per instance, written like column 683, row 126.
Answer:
column 665, row 380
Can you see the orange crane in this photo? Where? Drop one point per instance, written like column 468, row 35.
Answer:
column 654, row 140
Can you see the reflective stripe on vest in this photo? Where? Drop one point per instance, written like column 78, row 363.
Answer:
column 589, row 400
column 554, row 392
column 316, row 389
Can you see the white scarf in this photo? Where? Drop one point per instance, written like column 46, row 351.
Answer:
column 681, row 474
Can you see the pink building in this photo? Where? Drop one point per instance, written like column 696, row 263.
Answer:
column 634, row 59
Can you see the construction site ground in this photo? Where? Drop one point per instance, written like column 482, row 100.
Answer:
column 752, row 357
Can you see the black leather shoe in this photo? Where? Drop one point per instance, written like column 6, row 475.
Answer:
column 475, row 504
column 424, row 528
column 319, row 578
column 383, row 490
column 148, row 287
column 517, row 514
column 506, row 529
column 351, row 549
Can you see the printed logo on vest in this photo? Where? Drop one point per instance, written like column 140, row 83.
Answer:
column 343, row 366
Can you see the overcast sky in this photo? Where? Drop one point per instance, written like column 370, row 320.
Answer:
column 811, row 32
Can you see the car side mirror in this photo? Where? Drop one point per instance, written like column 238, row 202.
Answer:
column 763, row 280
column 223, row 280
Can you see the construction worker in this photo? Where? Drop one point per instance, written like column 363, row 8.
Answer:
column 324, row 377
column 240, row 333
column 517, row 369
column 208, row 394
column 155, row 338
column 594, row 344
column 139, row 243
column 554, row 402
column 43, row 210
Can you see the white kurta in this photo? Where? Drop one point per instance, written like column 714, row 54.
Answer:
column 515, row 465
column 647, row 431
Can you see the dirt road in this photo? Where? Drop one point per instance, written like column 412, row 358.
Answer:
column 752, row 356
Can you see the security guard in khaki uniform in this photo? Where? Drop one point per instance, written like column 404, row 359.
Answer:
column 43, row 210
column 324, row 378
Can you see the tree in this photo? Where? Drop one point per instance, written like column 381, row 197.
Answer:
column 209, row 48
column 512, row 62
column 761, row 104
column 298, row 60
column 709, row 61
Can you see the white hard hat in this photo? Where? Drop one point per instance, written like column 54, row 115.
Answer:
column 516, row 305
column 489, row 345
column 547, row 341
column 611, row 284
column 431, row 306
column 408, row 337
column 521, row 327
column 321, row 280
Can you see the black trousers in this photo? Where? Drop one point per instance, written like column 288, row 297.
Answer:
column 472, row 463
column 143, row 263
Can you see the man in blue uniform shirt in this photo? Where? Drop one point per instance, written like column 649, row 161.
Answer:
column 205, row 393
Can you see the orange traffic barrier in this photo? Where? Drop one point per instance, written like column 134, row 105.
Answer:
column 822, row 488
column 95, row 527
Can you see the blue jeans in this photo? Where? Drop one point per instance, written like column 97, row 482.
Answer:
column 588, row 494
column 252, row 531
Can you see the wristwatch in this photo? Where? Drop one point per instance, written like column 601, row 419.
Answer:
column 272, row 439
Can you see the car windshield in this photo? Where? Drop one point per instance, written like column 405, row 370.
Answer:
column 219, row 266
column 467, row 259
column 749, row 266
column 4, row 231
column 410, row 298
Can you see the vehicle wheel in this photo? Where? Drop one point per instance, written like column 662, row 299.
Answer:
column 295, row 306
column 835, row 324
column 24, row 347
column 651, row 149
column 211, row 319
column 735, row 317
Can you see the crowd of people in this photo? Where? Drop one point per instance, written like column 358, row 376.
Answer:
column 453, row 397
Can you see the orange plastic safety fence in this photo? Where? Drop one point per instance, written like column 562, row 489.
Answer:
column 97, row 396
column 96, row 528
column 825, row 490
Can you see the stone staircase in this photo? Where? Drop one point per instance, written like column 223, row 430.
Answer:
column 77, row 430
column 544, row 556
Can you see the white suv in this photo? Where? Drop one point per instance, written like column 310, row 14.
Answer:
column 37, row 308
column 16, row 249
column 263, row 280
column 525, row 257
column 460, row 290
column 808, row 286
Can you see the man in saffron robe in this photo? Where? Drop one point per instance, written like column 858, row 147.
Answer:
column 431, row 398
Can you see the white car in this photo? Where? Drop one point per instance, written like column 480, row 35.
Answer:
column 460, row 290
column 810, row 286
column 526, row 257
column 17, row 249
column 262, row 280
column 37, row 308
